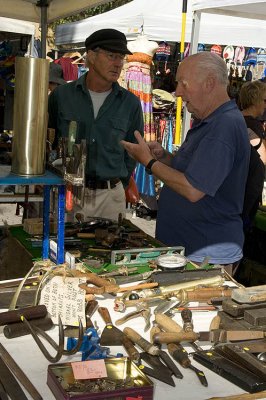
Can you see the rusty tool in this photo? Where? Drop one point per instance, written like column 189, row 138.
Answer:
column 17, row 329
column 33, row 312
column 36, row 332
column 179, row 354
column 17, row 371
column 9, row 384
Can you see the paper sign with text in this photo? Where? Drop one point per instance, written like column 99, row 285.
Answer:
column 63, row 296
column 91, row 369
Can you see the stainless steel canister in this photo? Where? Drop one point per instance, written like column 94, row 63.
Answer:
column 30, row 116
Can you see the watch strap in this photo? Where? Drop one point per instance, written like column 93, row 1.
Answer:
column 149, row 166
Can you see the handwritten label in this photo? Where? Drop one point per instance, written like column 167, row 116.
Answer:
column 91, row 369
column 63, row 296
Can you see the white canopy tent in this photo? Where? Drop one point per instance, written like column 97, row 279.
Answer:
column 16, row 26
column 161, row 20
column 44, row 11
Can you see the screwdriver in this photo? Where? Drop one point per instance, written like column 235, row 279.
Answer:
column 179, row 354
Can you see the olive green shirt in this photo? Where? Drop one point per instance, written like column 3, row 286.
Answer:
column 119, row 116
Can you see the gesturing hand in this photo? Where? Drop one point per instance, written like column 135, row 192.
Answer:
column 139, row 151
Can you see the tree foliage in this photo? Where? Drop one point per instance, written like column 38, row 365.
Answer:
column 90, row 12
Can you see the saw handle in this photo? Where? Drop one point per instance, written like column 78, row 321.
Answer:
column 104, row 313
column 170, row 337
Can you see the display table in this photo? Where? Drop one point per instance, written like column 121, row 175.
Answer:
column 47, row 180
column 31, row 360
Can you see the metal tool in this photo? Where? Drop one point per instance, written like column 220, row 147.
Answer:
column 186, row 316
column 178, row 352
column 249, row 295
column 158, row 371
column 10, row 384
column 140, row 312
column 111, row 335
column 36, row 332
column 20, row 375
column 153, row 350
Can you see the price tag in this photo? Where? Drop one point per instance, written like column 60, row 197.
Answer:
column 91, row 369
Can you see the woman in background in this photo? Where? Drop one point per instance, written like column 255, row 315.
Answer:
column 252, row 99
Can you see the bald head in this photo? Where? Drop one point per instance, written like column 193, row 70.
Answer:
column 202, row 81
column 209, row 63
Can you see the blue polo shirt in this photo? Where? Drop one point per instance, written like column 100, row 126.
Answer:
column 215, row 160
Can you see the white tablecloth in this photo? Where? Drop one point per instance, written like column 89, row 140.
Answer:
column 34, row 364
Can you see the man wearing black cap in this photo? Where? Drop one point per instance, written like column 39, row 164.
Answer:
column 105, row 113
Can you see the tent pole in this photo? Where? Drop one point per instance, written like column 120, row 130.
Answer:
column 193, row 50
column 179, row 100
column 43, row 5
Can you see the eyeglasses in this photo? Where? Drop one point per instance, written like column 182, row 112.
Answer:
column 112, row 56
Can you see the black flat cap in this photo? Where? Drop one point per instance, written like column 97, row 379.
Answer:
column 108, row 39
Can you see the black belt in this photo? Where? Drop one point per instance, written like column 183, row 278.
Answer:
column 95, row 184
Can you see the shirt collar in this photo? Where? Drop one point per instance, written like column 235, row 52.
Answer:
column 81, row 82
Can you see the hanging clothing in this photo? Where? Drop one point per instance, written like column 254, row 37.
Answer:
column 70, row 70
column 138, row 81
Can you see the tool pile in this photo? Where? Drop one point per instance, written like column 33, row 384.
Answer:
column 161, row 348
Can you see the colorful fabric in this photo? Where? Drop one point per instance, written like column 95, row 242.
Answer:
column 239, row 55
column 216, row 49
column 251, row 57
column 163, row 52
column 228, row 53
column 138, row 80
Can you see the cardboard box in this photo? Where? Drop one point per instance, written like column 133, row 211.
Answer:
column 34, row 226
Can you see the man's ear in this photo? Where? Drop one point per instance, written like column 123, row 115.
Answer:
column 210, row 83
column 90, row 57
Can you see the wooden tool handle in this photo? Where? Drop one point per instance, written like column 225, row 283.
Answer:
column 84, row 235
column 98, row 280
column 104, row 313
column 8, row 317
column 179, row 354
column 207, row 294
column 155, row 329
column 131, row 350
column 139, row 340
column 137, row 287
column 91, row 307
column 167, row 324
column 215, row 323
column 170, row 337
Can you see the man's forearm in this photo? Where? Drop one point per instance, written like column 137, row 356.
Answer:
column 177, row 181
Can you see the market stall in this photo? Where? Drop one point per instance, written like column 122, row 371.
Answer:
column 188, row 384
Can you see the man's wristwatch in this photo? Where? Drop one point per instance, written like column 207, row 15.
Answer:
column 149, row 165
